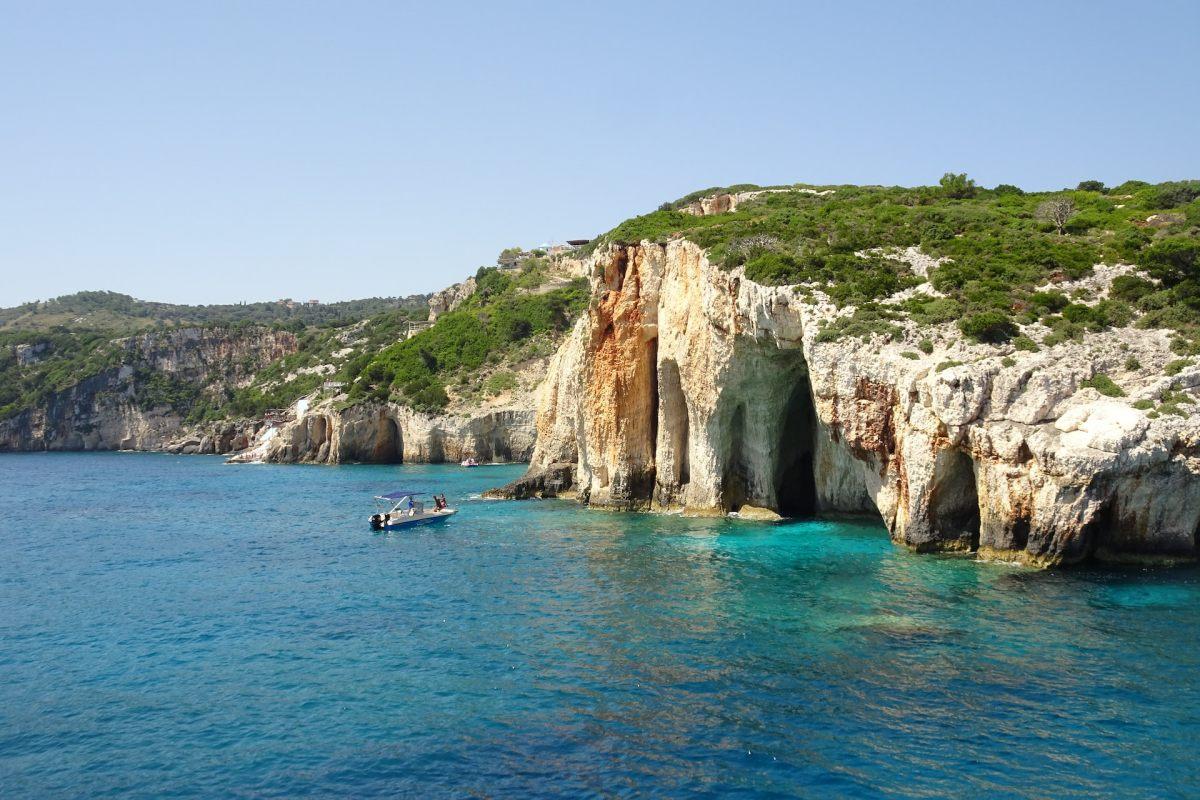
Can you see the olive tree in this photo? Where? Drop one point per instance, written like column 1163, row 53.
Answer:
column 1057, row 211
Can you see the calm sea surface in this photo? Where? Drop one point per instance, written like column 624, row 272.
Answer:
column 172, row 626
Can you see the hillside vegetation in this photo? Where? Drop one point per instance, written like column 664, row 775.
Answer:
column 122, row 314
column 504, row 315
column 1005, row 250
column 1005, row 259
column 514, row 314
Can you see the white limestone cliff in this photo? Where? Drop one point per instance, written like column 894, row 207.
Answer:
column 687, row 387
column 387, row 433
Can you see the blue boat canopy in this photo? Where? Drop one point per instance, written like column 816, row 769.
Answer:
column 397, row 495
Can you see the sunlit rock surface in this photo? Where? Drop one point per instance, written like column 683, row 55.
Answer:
column 687, row 387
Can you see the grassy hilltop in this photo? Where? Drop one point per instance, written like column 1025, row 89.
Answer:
column 1003, row 251
column 1007, row 248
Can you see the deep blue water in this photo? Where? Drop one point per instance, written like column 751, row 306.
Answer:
column 172, row 626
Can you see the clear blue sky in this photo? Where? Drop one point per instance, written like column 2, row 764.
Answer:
column 225, row 151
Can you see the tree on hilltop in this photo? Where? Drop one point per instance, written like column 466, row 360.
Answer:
column 958, row 186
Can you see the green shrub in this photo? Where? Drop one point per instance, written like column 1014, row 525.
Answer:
column 1053, row 301
column 1103, row 384
column 1026, row 344
column 937, row 311
column 1143, row 405
column 1172, row 195
column 1112, row 314
column 1130, row 288
column 499, row 382
column 868, row 320
column 1132, row 364
column 988, row 326
column 1008, row 361
column 1091, row 186
column 925, row 346
column 1174, row 261
column 1077, row 313
column 909, row 354
column 999, row 256
column 945, row 365
column 774, row 269
column 958, row 186
column 1175, row 367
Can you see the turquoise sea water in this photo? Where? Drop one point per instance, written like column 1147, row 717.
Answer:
column 172, row 626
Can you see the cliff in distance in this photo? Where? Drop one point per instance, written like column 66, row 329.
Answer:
column 420, row 378
column 981, row 375
column 130, row 393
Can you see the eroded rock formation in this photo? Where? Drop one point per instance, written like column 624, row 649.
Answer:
column 450, row 298
column 386, row 433
column 686, row 387
column 115, row 410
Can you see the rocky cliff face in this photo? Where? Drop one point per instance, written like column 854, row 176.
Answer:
column 690, row 388
column 386, row 433
column 450, row 298
column 113, row 411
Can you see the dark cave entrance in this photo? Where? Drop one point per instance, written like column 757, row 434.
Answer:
column 388, row 444
column 954, row 499
column 795, row 482
column 500, row 448
column 735, row 482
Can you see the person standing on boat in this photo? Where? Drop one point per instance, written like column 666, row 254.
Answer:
column 412, row 511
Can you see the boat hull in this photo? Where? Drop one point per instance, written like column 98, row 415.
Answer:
column 378, row 523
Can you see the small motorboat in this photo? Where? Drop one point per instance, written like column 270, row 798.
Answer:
column 404, row 510
column 470, row 462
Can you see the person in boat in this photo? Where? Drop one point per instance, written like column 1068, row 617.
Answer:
column 412, row 509
column 439, row 502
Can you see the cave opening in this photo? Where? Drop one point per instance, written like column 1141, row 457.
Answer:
column 795, row 482
column 500, row 448
column 388, row 443
column 673, row 430
column 954, row 499
column 735, row 481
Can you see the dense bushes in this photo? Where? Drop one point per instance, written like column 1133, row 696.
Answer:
column 499, row 315
column 988, row 326
column 958, row 186
column 1000, row 255
column 846, row 278
column 65, row 358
